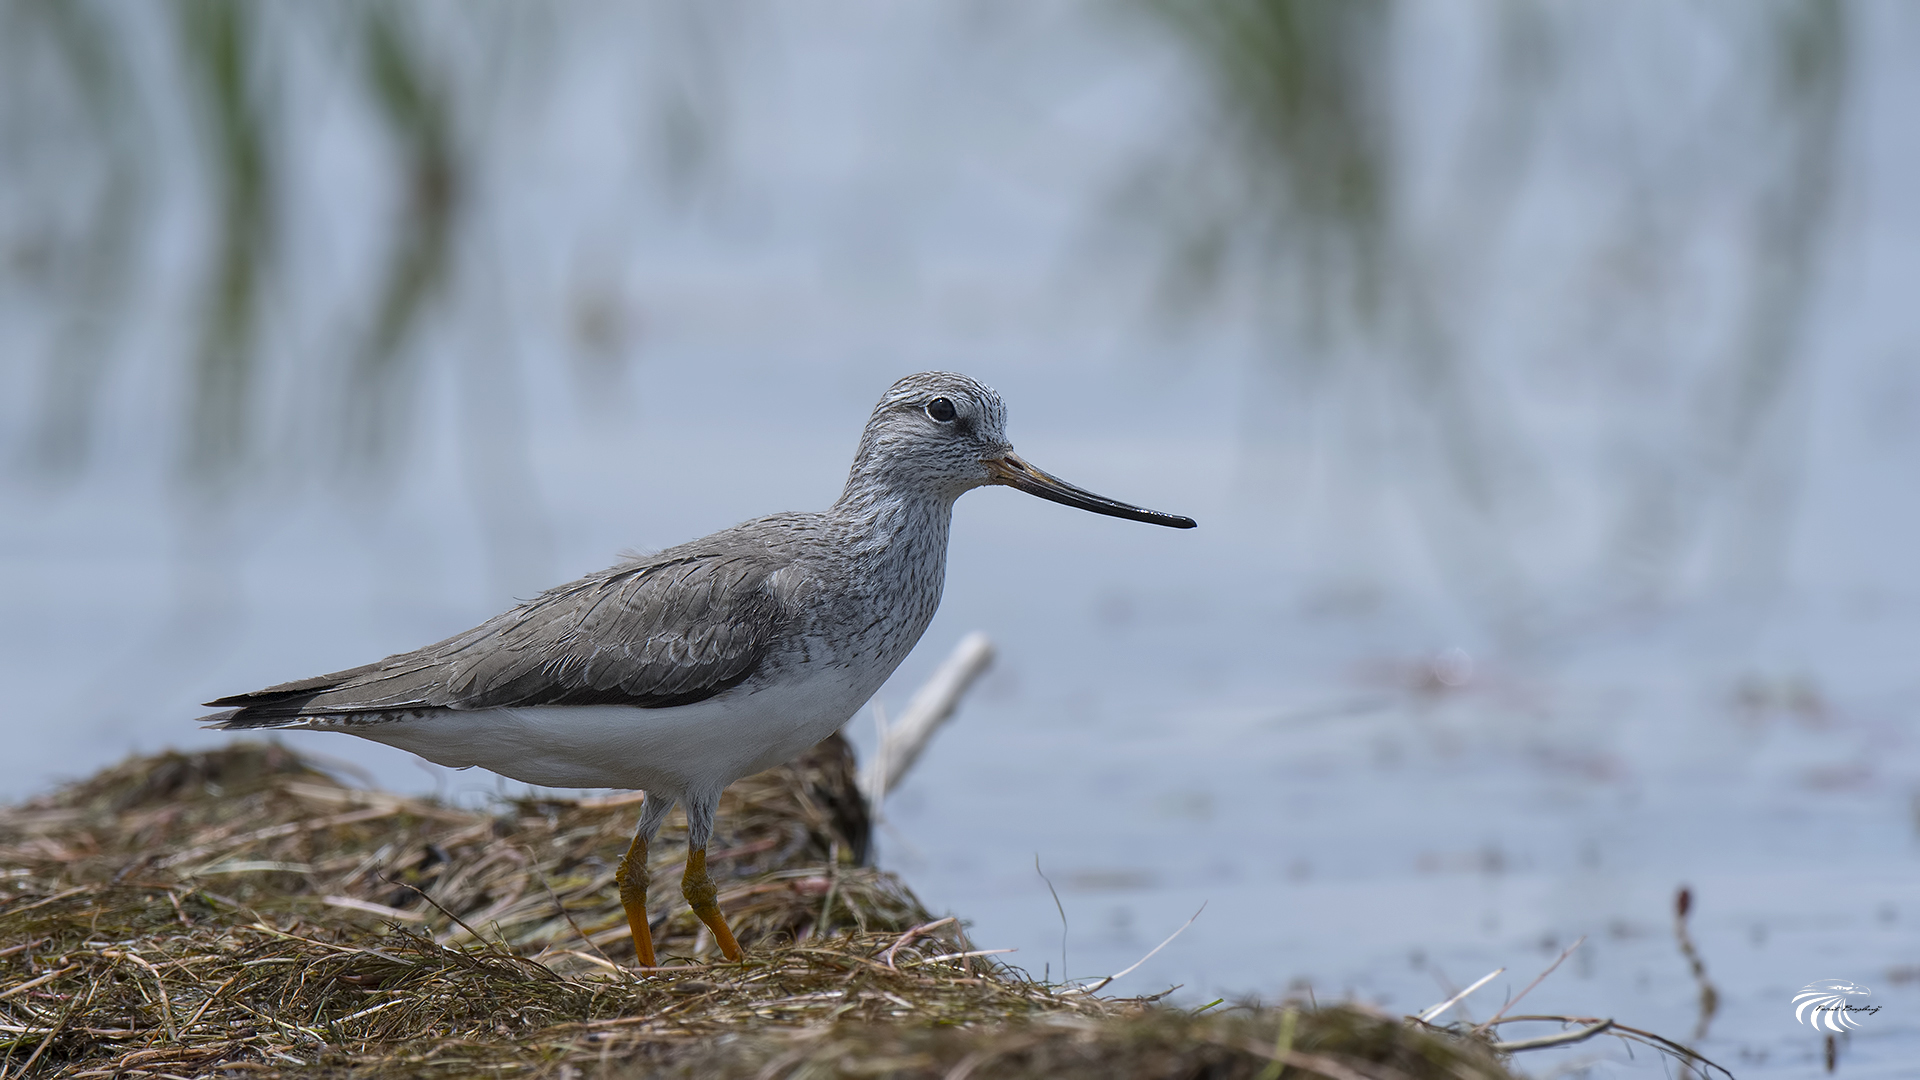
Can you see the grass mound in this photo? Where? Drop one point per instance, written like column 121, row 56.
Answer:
column 242, row 912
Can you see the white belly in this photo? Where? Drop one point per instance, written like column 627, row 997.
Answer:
column 689, row 748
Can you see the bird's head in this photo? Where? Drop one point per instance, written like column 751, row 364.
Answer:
column 941, row 432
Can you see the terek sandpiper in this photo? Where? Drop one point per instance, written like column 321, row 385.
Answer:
column 681, row 672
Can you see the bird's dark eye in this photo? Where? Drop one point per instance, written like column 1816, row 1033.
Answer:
column 940, row 409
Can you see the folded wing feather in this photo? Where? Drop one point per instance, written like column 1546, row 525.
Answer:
column 652, row 634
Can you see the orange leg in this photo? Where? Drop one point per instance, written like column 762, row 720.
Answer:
column 632, row 878
column 700, row 891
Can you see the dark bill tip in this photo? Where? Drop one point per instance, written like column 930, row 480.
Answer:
column 1014, row 472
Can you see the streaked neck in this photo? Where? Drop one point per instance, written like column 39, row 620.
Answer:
column 876, row 520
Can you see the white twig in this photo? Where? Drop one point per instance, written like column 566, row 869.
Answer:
column 1427, row 1017
column 372, row 1010
column 914, row 933
column 930, row 707
column 1504, row 1009
column 962, row 955
column 42, row 980
column 353, row 903
column 1094, row 988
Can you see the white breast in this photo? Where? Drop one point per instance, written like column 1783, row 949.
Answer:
column 689, row 748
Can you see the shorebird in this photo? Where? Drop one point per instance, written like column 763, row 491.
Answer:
column 680, row 672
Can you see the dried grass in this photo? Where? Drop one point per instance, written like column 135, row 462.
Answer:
column 242, row 912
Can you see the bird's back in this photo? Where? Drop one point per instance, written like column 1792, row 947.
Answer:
column 657, row 631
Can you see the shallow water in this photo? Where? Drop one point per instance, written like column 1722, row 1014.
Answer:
column 1300, row 720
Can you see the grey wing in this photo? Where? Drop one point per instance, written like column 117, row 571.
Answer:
column 649, row 635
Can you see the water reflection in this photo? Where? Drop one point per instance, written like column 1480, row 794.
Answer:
column 1368, row 189
column 1376, row 209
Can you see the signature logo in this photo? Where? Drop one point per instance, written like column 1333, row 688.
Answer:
column 1833, row 1004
